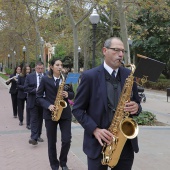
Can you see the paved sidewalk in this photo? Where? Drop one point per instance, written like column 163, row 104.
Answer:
column 156, row 102
column 16, row 153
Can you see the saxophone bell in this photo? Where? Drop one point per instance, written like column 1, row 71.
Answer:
column 129, row 128
column 63, row 104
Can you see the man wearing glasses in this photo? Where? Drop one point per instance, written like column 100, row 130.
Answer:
column 31, row 85
column 95, row 104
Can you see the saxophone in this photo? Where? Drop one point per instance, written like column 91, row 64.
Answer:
column 59, row 102
column 122, row 126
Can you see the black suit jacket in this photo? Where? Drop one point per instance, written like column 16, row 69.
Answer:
column 20, row 85
column 30, row 87
column 48, row 86
column 13, row 89
column 90, row 107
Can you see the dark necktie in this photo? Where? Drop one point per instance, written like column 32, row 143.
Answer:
column 40, row 77
column 57, row 82
column 113, row 74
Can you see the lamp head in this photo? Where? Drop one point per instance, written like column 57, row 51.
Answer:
column 130, row 41
column 24, row 49
column 94, row 17
column 42, row 40
column 79, row 49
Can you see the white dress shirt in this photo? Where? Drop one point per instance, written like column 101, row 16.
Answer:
column 110, row 70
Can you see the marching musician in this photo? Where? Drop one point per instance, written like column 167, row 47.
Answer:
column 13, row 89
column 31, row 85
column 50, row 86
column 22, row 97
column 95, row 104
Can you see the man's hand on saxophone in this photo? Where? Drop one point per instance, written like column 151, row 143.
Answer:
column 52, row 108
column 103, row 135
column 131, row 107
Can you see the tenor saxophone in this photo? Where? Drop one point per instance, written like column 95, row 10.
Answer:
column 59, row 103
column 122, row 126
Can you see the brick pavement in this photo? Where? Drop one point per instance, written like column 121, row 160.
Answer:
column 15, row 151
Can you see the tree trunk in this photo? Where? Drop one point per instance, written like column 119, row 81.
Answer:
column 76, row 59
column 123, row 29
column 75, row 31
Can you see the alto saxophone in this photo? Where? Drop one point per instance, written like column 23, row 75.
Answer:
column 59, row 103
column 122, row 127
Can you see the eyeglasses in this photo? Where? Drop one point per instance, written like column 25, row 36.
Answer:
column 118, row 50
column 39, row 68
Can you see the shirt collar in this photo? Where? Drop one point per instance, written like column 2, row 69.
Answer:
column 109, row 69
column 39, row 73
column 55, row 78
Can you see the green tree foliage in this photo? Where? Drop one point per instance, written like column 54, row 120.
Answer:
column 148, row 24
column 150, row 29
column 60, row 51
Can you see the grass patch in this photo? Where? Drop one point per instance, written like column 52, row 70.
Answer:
column 4, row 76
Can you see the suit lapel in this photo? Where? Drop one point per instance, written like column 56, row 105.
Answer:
column 102, row 85
column 123, row 77
column 35, row 78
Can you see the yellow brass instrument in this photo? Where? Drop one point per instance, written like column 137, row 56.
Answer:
column 8, row 81
column 59, row 103
column 142, row 56
column 122, row 127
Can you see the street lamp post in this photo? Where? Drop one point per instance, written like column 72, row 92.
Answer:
column 94, row 19
column 24, row 50
column 14, row 57
column 42, row 51
column 8, row 59
column 79, row 51
column 39, row 57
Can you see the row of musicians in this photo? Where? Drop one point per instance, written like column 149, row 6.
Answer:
column 29, row 84
column 18, row 96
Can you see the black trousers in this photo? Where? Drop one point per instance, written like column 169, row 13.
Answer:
column 51, row 129
column 36, row 121
column 14, row 104
column 125, row 162
column 21, row 104
column 28, row 117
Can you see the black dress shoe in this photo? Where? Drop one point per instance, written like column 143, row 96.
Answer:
column 64, row 168
column 40, row 140
column 54, row 167
column 33, row 142
column 15, row 116
column 20, row 123
column 28, row 127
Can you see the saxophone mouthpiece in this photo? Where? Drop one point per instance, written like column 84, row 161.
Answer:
column 122, row 62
